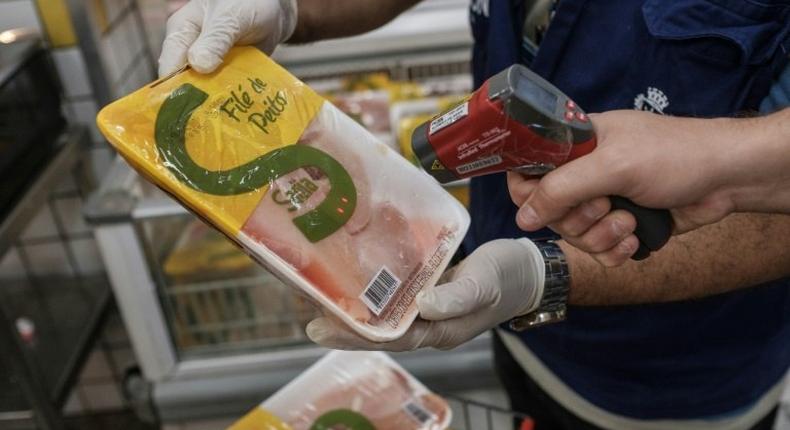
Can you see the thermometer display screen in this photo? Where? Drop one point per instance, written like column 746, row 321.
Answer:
column 531, row 92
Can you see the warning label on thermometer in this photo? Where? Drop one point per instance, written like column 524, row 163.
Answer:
column 449, row 118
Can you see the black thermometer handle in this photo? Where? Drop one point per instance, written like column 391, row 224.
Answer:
column 653, row 226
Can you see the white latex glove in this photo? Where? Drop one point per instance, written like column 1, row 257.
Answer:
column 203, row 31
column 500, row 280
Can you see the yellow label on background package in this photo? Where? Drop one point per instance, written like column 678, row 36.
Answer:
column 259, row 419
column 351, row 390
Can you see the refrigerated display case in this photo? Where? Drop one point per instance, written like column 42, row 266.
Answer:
column 215, row 333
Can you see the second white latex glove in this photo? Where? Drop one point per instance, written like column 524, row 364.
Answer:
column 202, row 32
column 500, row 280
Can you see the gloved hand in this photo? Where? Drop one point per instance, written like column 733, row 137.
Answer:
column 500, row 280
column 203, row 31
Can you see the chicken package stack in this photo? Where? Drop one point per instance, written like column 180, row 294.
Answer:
column 301, row 187
column 354, row 391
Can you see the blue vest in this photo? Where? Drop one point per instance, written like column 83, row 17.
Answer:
column 700, row 58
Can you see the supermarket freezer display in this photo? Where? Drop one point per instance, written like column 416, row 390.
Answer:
column 215, row 296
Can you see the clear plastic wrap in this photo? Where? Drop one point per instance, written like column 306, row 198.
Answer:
column 301, row 187
column 355, row 391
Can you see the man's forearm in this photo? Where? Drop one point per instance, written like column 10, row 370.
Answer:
column 320, row 19
column 741, row 251
column 700, row 169
column 756, row 175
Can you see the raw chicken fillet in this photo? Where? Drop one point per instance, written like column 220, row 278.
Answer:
column 385, row 397
column 358, row 390
column 378, row 235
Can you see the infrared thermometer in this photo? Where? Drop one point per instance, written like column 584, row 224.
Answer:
column 518, row 121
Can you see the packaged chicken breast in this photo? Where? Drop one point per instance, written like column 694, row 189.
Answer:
column 301, row 187
column 354, row 391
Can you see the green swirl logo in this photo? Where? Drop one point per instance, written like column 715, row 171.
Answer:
column 329, row 216
column 342, row 419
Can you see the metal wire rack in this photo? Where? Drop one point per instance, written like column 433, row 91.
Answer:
column 473, row 415
column 246, row 313
column 216, row 298
column 51, row 284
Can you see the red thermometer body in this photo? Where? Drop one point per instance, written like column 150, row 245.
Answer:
column 518, row 121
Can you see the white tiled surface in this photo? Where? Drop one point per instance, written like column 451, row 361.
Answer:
column 48, row 259
column 43, row 225
column 121, row 48
column 786, row 396
column 143, row 74
column 132, row 35
column 154, row 14
column 124, row 358
column 101, row 157
column 491, row 397
column 73, row 405
column 70, row 212
column 114, row 8
column 124, row 46
column 478, row 418
column 98, row 388
column 783, row 416
column 121, row 39
column 11, row 266
column 115, row 331
column 140, row 76
column 18, row 13
column 85, row 113
column 88, row 256
column 783, row 419
column 101, row 396
column 96, row 367
column 66, row 185
column 112, row 66
column 71, row 68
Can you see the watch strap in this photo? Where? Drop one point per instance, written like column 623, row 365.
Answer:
column 553, row 304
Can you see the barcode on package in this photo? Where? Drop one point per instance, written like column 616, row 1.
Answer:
column 417, row 412
column 380, row 291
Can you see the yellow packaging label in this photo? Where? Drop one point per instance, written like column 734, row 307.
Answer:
column 247, row 108
column 259, row 419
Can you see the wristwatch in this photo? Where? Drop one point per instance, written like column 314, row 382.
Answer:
column 553, row 304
